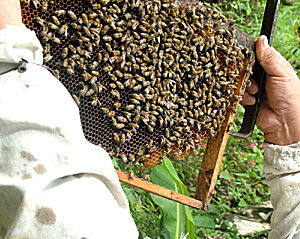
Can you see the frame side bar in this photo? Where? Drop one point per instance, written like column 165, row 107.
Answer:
column 214, row 152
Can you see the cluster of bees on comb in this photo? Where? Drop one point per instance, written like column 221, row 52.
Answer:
column 168, row 71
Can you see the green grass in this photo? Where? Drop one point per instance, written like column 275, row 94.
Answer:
column 285, row 39
column 241, row 181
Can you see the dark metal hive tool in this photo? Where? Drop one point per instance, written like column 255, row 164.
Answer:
column 251, row 112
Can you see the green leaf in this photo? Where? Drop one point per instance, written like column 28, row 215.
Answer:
column 130, row 195
column 204, row 221
column 243, row 203
column 115, row 162
column 226, row 175
column 173, row 219
column 189, row 226
column 249, row 11
column 211, row 208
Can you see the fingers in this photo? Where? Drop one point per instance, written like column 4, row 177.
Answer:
column 271, row 60
column 253, row 88
column 248, row 97
column 261, row 120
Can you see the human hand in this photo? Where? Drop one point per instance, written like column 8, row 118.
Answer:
column 279, row 114
column 10, row 13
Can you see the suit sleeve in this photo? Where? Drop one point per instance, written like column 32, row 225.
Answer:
column 53, row 182
column 282, row 172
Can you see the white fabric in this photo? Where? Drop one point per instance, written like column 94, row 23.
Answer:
column 68, row 185
column 282, row 172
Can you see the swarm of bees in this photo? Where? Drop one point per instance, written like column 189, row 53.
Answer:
column 157, row 76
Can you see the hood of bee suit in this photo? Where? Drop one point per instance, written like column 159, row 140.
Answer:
column 41, row 138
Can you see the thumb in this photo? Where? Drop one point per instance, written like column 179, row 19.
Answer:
column 270, row 59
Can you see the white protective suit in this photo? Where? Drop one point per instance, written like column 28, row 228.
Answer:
column 55, row 184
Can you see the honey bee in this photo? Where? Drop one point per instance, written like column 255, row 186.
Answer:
column 55, row 40
column 72, row 15
column 90, row 92
column 118, row 73
column 136, row 118
column 114, row 122
column 47, row 58
column 86, row 31
column 129, row 107
column 130, row 174
column 95, row 73
column 111, row 114
column 152, row 121
column 147, row 177
column 137, row 87
column 127, row 76
column 120, row 126
column 53, row 26
column 95, row 101
column 75, row 57
column 108, row 47
column 57, row 74
column 99, row 57
column 85, row 19
column 84, row 39
column 122, row 119
column 55, row 20
column 105, row 110
column 76, row 99
column 124, row 158
column 107, row 38
column 40, row 21
column 75, row 26
column 64, row 52
column 105, row 29
column 118, row 35
column 116, row 137
column 86, row 76
column 123, row 139
column 84, row 89
column 63, row 29
column 44, row 6
column 150, row 128
column 47, row 37
column 107, row 68
column 115, row 94
column 134, row 101
column 60, row 12
column 119, row 85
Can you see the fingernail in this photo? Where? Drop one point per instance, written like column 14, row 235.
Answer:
column 253, row 88
column 249, row 100
column 265, row 42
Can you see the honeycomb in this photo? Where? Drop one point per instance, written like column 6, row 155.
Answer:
column 150, row 77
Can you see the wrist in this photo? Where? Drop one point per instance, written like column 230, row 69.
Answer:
column 283, row 134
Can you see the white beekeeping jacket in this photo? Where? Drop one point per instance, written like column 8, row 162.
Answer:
column 53, row 182
column 282, row 172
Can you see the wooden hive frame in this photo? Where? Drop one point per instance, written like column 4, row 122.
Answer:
column 212, row 160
